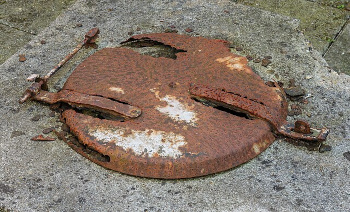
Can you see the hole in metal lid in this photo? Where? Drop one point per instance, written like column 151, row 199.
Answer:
column 152, row 48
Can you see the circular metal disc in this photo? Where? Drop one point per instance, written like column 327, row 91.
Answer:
column 175, row 136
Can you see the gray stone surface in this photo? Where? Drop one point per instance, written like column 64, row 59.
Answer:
column 21, row 20
column 319, row 22
column 338, row 55
column 49, row 176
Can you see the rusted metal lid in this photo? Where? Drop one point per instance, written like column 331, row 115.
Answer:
column 170, row 119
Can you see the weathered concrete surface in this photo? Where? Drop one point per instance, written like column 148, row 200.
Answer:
column 339, row 53
column 21, row 20
column 320, row 23
column 40, row 176
column 320, row 20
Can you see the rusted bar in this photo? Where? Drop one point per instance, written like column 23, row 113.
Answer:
column 62, row 62
column 42, row 138
column 287, row 130
column 236, row 102
column 98, row 103
column 90, row 37
column 32, row 91
column 41, row 83
column 219, row 97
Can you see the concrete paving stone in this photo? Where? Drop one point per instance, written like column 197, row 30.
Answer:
column 11, row 41
column 49, row 176
column 21, row 19
column 320, row 23
column 338, row 55
column 31, row 15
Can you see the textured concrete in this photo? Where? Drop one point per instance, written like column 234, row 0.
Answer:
column 49, row 176
column 321, row 21
column 318, row 22
column 21, row 20
column 339, row 53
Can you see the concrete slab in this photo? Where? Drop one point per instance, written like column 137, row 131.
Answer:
column 20, row 20
column 13, row 40
column 50, row 176
column 339, row 53
column 319, row 22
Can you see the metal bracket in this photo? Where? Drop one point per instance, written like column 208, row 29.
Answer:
column 41, row 82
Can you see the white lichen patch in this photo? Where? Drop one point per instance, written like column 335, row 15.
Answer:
column 176, row 110
column 235, row 63
column 117, row 90
column 149, row 142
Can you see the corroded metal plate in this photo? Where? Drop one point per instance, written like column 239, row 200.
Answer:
column 175, row 136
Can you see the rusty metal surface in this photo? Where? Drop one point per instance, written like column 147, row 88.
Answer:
column 42, row 138
column 175, row 136
column 255, row 109
column 290, row 130
column 98, row 103
column 188, row 107
column 236, row 102
column 41, row 82
column 167, row 152
column 302, row 127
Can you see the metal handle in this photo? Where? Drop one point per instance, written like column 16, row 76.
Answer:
column 299, row 130
column 41, row 82
column 98, row 103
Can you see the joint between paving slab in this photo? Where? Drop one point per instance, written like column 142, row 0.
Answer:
column 336, row 37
